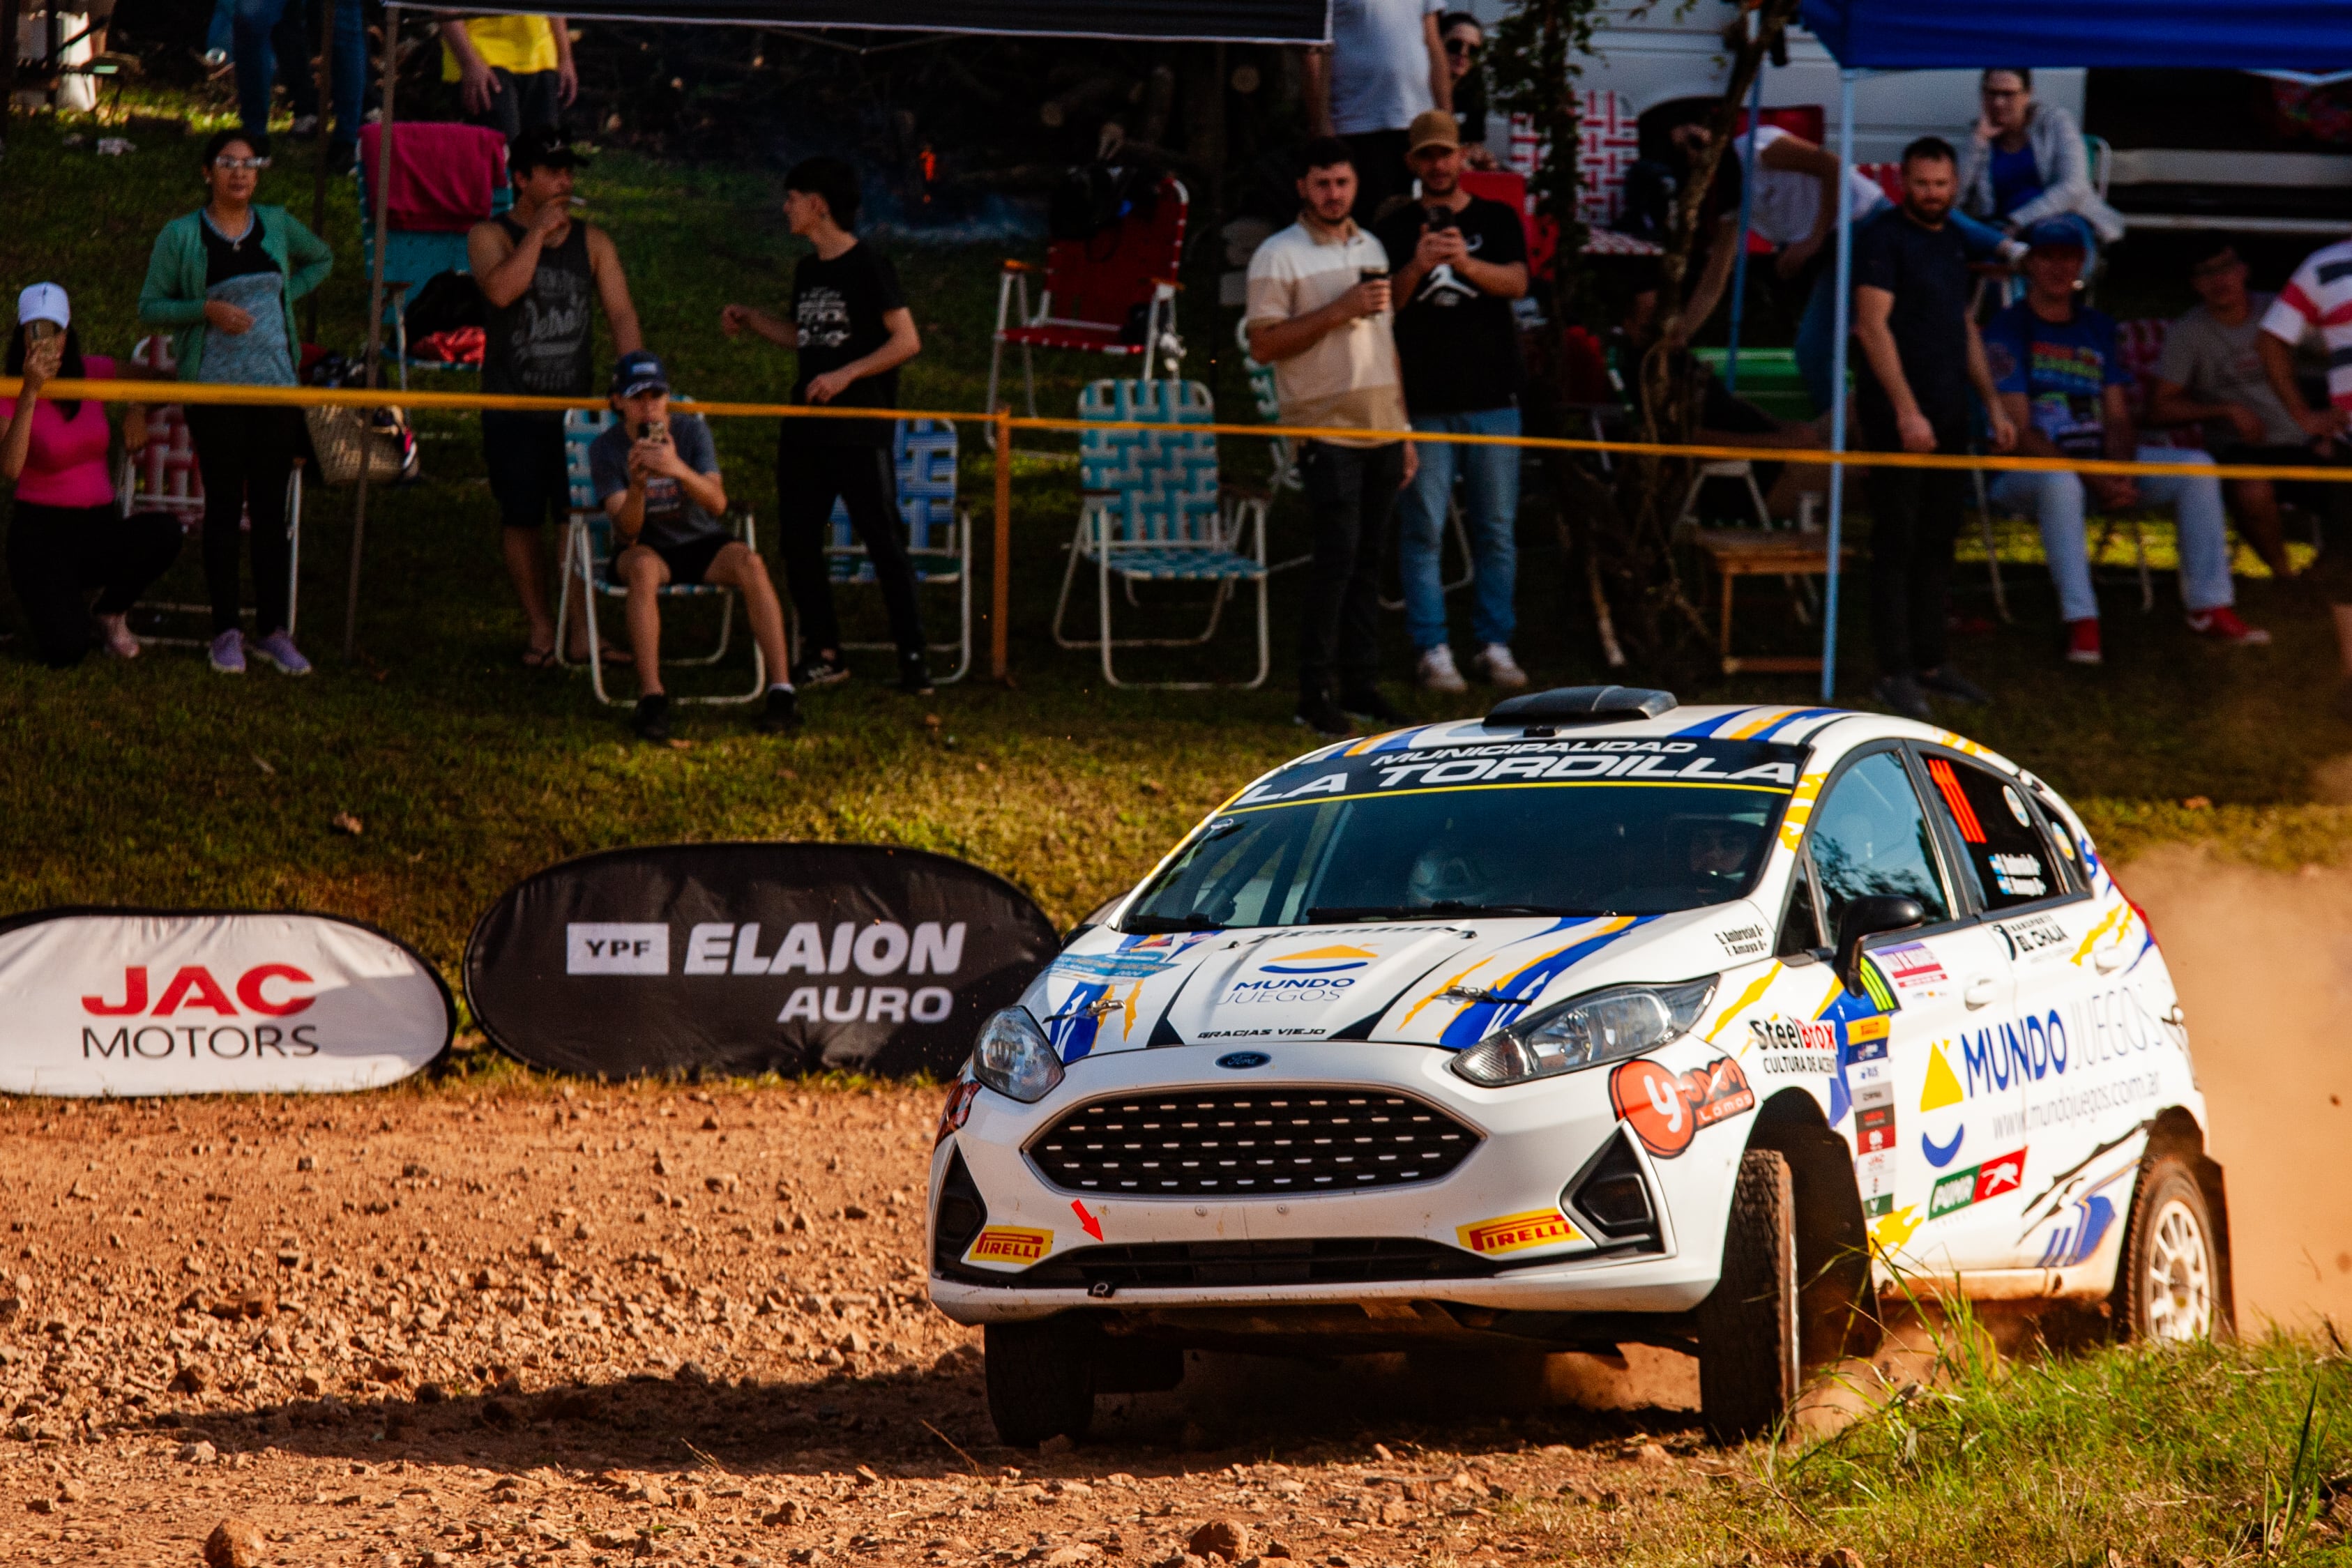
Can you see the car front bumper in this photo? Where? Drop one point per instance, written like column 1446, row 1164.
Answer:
column 1485, row 1219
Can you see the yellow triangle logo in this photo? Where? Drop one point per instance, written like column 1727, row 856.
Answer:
column 1942, row 1088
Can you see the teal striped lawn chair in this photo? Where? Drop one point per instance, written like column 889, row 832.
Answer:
column 587, row 566
column 1154, row 510
column 938, row 531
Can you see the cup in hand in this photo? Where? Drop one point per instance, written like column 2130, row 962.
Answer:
column 1375, row 279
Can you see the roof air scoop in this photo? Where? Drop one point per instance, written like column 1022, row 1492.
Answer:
column 1565, row 706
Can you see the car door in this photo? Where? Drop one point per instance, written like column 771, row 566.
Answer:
column 1872, row 834
column 2033, row 1056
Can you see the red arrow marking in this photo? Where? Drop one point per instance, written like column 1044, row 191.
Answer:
column 1093, row 1225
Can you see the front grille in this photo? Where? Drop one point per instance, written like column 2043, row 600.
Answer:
column 1226, row 1142
column 1326, row 1261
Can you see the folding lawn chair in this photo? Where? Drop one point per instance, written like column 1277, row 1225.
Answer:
column 1153, row 511
column 1095, row 290
column 444, row 180
column 587, row 562
column 162, row 476
column 938, row 531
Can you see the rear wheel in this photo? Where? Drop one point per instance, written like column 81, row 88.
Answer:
column 2169, row 1286
column 1748, row 1328
column 1041, row 1381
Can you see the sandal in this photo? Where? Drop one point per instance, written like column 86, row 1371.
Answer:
column 538, row 658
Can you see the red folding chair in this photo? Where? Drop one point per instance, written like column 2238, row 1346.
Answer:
column 1093, row 288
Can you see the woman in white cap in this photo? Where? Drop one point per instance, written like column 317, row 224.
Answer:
column 64, row 536
column 224, row 279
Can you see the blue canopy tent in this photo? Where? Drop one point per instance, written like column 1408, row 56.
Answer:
column 1939, row 35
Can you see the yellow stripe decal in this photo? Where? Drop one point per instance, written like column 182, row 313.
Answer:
column 1748, row 999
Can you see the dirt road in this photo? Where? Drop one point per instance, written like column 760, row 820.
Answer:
column 533, row 1326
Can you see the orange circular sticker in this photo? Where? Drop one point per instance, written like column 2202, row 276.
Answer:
column 1650, row 1100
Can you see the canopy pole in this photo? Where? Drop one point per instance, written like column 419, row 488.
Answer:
column 382, row 201
column 1000, row 555
column 1843, row 326
column 326, row 139
column 1746, row 208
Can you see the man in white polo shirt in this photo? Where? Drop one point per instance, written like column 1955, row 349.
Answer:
column 1319, row 314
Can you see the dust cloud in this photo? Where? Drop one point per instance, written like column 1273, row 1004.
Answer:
column 2264, row 964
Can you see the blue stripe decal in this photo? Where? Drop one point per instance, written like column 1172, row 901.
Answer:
column 1777, row 725
column 1401, row 740
column 1480, row 1019
column 1705, row 725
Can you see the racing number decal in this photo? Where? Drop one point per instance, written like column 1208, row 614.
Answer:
column 1666, row 1109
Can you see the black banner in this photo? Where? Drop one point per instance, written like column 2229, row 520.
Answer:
column 752, row 958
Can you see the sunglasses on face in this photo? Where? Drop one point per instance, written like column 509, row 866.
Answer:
column 1460, row 48
column 225, row 161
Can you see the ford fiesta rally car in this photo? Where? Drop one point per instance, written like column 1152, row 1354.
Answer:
column 1601, row 1020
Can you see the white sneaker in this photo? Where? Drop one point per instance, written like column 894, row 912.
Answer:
column 1437, row 672
column 1495, row 662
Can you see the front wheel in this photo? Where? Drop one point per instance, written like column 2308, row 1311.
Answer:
column 1041, row 1381
column 1749, row 1327
column 2169, row 1286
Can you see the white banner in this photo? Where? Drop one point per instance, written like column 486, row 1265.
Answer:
column 104, row 1002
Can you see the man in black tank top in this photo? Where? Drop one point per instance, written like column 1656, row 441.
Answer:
column 542, row 274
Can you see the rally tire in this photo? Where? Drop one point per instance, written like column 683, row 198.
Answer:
column 1749, row 1327
column 1041, row 1381
column 2168, row 1285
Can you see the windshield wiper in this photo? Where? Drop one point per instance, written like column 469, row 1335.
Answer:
column 1157, row 925
column 1445, row 906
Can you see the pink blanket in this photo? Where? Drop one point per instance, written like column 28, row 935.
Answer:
column 442, row 176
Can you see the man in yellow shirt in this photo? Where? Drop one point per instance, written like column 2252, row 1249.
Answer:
column 514, row 73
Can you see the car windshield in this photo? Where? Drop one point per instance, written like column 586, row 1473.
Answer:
column 1533, row 827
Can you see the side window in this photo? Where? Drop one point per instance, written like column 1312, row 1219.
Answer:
column 2069, row 861
column 1800, row 931
column 2002, row 849
column 1871, row 837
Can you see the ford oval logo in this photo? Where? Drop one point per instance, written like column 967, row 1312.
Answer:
column 1238, row 1060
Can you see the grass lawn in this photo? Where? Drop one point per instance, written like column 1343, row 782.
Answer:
column 161, row 783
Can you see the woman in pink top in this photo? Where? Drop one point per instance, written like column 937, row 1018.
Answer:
column 64, row 538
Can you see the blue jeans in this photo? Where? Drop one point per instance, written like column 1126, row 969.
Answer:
column 257, row 64
column 2055, row 502
column 1817, row 328
column 1490, row 510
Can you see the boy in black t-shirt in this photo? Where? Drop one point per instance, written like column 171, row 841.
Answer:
column 1460, row 261
column 852, row 330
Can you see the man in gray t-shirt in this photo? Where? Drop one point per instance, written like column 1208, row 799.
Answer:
column 656, row 476
column 2211, row 374
column 1386, row 64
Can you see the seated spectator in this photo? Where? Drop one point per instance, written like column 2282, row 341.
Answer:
column 64, row 538
column 2211, row 374
column 514, row 74
column 2025, row 165
column 2056, row 371
column 658, row 480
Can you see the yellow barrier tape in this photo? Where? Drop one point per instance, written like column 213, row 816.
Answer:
column 360, row 397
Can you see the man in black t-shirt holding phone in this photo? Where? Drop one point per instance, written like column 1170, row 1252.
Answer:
column 1459, row 262
column 851, row 330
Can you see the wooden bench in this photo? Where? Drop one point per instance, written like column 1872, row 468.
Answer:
column 1735, row 553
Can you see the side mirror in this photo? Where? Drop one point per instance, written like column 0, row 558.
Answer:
column 1869, row 916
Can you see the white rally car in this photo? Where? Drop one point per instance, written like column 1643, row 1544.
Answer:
column 1600, row 1020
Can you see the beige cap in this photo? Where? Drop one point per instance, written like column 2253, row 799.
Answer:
column 1432, row 128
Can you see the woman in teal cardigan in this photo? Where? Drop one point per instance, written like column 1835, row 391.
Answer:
column 224, row 279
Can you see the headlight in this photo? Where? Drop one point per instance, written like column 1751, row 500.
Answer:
column 1585, row 1031
column 1015, row 1058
